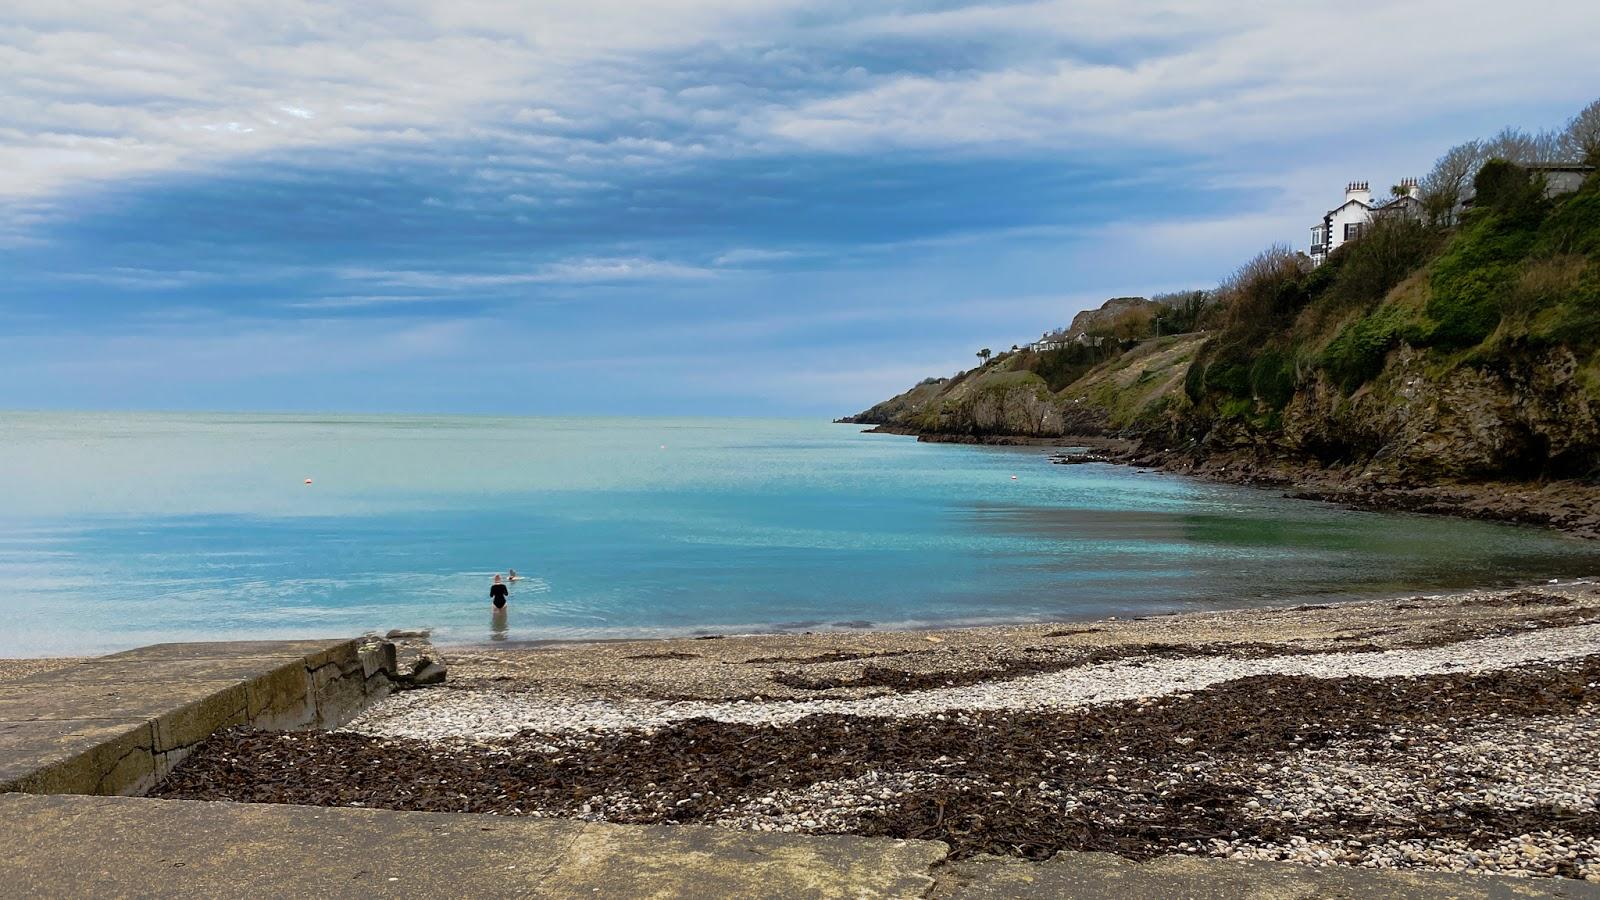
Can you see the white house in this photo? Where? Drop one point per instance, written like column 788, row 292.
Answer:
column 1345, row 221
column 1047, row 341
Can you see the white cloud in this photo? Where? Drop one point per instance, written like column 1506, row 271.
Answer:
column 747, row 256
column 1232, row 75
column 598, row 269
column 361, row 301
column 111, row 88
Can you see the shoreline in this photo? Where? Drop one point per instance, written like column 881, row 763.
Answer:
column 20, row 666
column 1568, row 506
column 1330, row 600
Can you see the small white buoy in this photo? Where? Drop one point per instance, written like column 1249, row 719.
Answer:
column 1013, row 478
column 663, row 446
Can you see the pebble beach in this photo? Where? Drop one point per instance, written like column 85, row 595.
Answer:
column 1455, row 732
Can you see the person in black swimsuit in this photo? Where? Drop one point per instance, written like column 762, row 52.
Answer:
column 498, row 592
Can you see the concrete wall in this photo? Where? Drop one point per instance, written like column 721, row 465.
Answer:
column 118, row 724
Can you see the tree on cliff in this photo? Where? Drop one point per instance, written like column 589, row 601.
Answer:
column 1442, row 188
column 1580, row 141
column 984, row 354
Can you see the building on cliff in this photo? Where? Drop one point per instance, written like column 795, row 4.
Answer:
column 1345, row 221
column 1559, row 178
column 1050, row 341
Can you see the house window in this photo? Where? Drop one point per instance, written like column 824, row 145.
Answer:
column 1352, row 230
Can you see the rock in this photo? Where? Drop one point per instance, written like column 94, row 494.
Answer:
column 394, row 633
column 425, row 672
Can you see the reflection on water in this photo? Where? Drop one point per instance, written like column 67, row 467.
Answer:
column 183, row 527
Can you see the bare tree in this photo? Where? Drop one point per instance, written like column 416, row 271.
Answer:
column 1512, row 145
column 1580, row 140
column 1517, row 146
column 1443, row 187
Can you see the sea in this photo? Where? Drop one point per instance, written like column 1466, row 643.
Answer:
column 121, row 529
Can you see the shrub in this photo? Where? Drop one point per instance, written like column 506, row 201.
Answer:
column 1472, row 277
column 1370, row 266
column 1228, row 372
column 1356, row 355
column 1234, row 408
column 1060, row 368
column 1574, row 226
column 1180, row 312
column 1272, row 378
column 1544, row 282
column 1194, row 380
column 1133, row 324
column 1571, row 314
column 1262, row 289
column 1508, row 189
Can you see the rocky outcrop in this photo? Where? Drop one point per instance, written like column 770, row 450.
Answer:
column 1525, row 417
column 1006, row 399
column 1102, row 319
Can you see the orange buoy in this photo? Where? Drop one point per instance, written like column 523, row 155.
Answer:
column 308, row 481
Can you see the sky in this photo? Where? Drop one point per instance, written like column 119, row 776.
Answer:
column 680, row 207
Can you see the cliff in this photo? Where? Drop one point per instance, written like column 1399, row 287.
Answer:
column 1415, row 356
column 1028, row 394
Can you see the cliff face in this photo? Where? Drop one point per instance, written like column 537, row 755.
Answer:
column 1009, row 397
column 1105, row 318
column 1526, row 418
column 996, row 400
column 1414, row 356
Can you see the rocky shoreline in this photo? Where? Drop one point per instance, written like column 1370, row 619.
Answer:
column 1569, row 506
column 1457, row 732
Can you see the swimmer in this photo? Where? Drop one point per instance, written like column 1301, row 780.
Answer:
column 498, row 593
column 511, row 574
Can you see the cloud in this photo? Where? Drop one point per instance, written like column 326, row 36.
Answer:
column 747, row 256
column 563, row 272
column 112, row 88
column 824, row 199
column 360, row 301
column 1223, row 74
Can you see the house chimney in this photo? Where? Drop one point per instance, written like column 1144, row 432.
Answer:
column 1358, row 190
column 1411, row 188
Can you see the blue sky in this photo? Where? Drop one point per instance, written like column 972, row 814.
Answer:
column 683, row 206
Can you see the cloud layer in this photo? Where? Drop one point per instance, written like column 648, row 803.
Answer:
column 840, row 190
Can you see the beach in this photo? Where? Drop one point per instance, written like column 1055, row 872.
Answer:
column 1453, row 731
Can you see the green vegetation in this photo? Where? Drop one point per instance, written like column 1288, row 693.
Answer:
column 1356, row 355
column 1520, row 271
column 1486, row 303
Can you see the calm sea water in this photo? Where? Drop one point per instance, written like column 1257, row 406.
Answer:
column 123, row 529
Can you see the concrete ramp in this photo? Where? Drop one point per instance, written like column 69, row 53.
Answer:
column 118, row 724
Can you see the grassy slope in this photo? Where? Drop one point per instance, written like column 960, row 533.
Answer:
column 1141, row 386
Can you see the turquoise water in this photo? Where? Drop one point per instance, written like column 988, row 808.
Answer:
column 123, row 529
